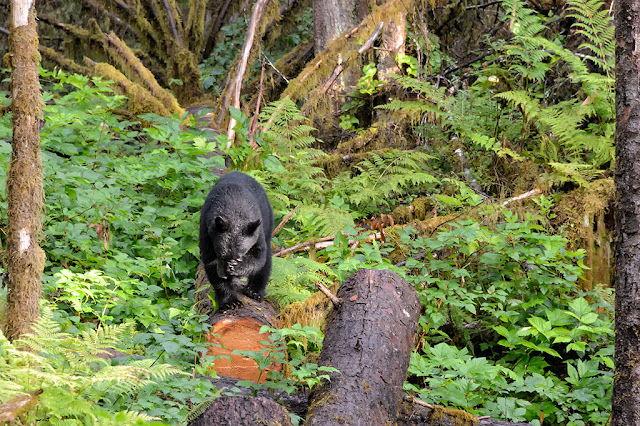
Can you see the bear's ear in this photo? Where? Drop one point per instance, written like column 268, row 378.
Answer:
column 221, row 225
column 251, row 228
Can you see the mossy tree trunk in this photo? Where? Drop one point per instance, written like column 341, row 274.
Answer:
column 626, row 398
column 333, row 17
column 23, row 256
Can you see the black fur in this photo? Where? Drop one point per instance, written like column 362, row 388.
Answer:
column 236, row 224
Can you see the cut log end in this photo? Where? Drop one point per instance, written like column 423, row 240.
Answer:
column 239, row 329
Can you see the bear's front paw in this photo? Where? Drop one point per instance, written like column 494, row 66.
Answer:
column 255, row 295
column 229, row 305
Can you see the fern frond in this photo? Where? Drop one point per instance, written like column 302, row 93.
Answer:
column 581, row 174
column 293, row 279
column 593, row 21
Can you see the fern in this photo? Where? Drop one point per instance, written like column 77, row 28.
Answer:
column 287, row 130
column 593, row 21
column 293, row 279
column 490, row 144
column 525, row 22
column 72, row 376
column 581, row 174
column 384, row 175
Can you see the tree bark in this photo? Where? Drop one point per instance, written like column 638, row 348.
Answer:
column 243, row 411
column 23, row 256
column 625, row 401
column 333, row 17
column 369, row 338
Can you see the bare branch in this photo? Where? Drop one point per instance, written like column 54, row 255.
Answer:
column 236, row 85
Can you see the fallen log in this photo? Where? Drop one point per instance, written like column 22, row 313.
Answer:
column 369, row 338
column 241, row 411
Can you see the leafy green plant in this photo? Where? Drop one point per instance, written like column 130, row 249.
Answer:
column 290, row 347
column 550, row 351
column 71, row 375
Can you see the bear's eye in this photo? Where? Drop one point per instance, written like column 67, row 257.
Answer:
column 221, row 225
column 251, row 228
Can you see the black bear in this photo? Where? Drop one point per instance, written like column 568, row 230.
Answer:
column 236, row 224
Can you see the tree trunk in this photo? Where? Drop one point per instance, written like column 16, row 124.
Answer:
column 333, row 17
column 369, row 338
column 625, row 409
column 23, row 256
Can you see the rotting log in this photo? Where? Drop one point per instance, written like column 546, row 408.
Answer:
column 236, row 329
column 241, row 411
column 369, row 338
column 295, row 402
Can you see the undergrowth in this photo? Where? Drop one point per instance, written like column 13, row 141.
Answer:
column 504, row 329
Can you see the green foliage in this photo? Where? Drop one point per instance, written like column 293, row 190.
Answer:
column 294, row 279
column 549, row 351
column 290, row 347
column 214, row 68
column 72, row 375
column 384, row 175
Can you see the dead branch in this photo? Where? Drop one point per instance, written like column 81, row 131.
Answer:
column 422, row 403
column 527, row 194
column 367, row 45
column 334, row 75
column 323, row 243
column 236, row 85
column 308, row 73
column 286, row 218
column 328, row 293
column 302, row 246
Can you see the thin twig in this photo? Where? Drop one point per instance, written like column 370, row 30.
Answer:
column 482, row 6
column 421, row 402
column 286, row 218
column 327, row 292
column 276, row 69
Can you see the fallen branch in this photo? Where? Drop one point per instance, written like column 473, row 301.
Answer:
column 367, row 44
column 527, row 194
column 328, row 293
column 302, row 246
column 286, row 218
column 236, row 85
column 324, row 243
